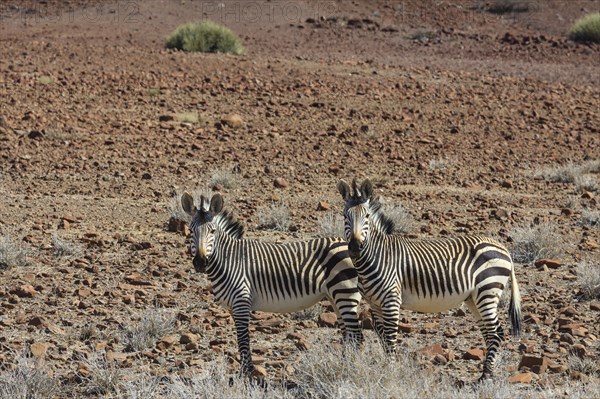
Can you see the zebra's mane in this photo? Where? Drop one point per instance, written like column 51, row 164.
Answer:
column 229, row 225
column 380, row 221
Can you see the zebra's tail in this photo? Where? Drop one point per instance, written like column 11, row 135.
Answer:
column 514, row 309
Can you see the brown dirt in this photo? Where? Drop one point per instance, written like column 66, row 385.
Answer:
column 326, row 90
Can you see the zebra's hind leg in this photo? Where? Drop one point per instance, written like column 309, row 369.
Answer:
column 346, row 308
column 485, row 312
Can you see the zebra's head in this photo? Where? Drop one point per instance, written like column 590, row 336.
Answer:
column 202, row 227
column 357, row 212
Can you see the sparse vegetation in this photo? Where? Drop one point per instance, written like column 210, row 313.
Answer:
column 153, row 91
column 311, row 313
column 586, row 183
column 509, row 6
column 205, row 37
column 187, row 117
column 586, row 29
column 225, row 178
column 274, row 217
column 404, row 223
column 101, row 376
column 331, row 225
column 65, row 248
column 13, row 254
column 438, row 164
column 535, row 242
column 589, row 279
column 571, row 173
column 587, row 366
column 27, row 380
column 45, row 80
column 175, row 209
column 590, row 218
column 153, row 325
column 423, row 36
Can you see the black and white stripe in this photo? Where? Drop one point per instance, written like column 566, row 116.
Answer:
column 251, row 275
column 426, row 275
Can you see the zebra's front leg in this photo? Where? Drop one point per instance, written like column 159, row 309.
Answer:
column 241, row 318
column 377, row 318
column 346, row 309
column 391, row 316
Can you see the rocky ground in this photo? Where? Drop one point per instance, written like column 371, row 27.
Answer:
column 462, row 116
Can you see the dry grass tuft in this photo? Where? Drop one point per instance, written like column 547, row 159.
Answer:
column 27, row 380
column 274, row 217
column 13, row 254
column 153, row 325
column 64, row 248
column 226, row 178
column 589, row 279
column 205, row 37
column 535, row 242
column 331, row 225
column 586, row 29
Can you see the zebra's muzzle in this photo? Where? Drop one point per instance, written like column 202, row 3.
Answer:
column 354, row 247
column 200, row 264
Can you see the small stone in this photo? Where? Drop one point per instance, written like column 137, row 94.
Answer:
column 302, row 344
column 521, row 378
column 327, row 319
column 233, row 120
column 536, row 364
column 595, row 306
column 551, row 263
column 24, row 291
column 280, row 182
column 507, row 184
column 166, row 118
column 439, row 359
column 431, row 351
column 474, row 354
column 405, row 327
column 259, row 371
column 38, row 350
column 323, row 206
column 579, row 350
column 116, row 356
column 188, row 338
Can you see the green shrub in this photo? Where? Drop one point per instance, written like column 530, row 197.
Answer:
column 509, row 6
column 586, row 29
column 205, row 37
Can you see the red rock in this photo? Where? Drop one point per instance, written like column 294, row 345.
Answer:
column 537, row 364
column 551, row 263
column 579, row 350
column 38, row 350
column 323, row 206
column 327, row 319
column 280, row 182
column 406, row 327
column 259, row 371
column 521, row 378
column 474, row 354
column 233, row 120
column 188, row 338
column 24, row 291
column 430, row 351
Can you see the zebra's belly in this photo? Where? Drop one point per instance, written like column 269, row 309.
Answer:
column 433, row 304
column 286, row 305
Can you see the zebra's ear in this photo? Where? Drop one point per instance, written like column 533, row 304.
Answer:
column 366, row 188
column 344, row 189
column 187, row 203
column 216, row 204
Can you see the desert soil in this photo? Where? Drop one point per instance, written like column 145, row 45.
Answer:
column 451, row 110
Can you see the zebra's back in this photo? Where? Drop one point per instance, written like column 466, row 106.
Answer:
column 438, row 275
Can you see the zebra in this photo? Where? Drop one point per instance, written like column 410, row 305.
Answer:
column 426, row 275
column 251, row 275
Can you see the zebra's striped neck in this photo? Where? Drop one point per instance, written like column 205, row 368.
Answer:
column 379, row 221
column 227, row 225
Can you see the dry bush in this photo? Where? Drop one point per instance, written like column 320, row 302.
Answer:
column 212, row 382
column 572, row 173
column 535, row 242
column 175, row 210
column 331, row 225
column 153, row 325
column 589, row 279
column 224, row 177
column 13, row 254
column 205, row 37
column 105, row 378
column 590, row 218
column 587, row 366
column 586, row 183
column 509, row 6
column 274, row 217
column 439, row 164
column 404, row 222
column 28, row 380
column 311, row 313
column 586, row 29
column 187, row 117
column 64, row 248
